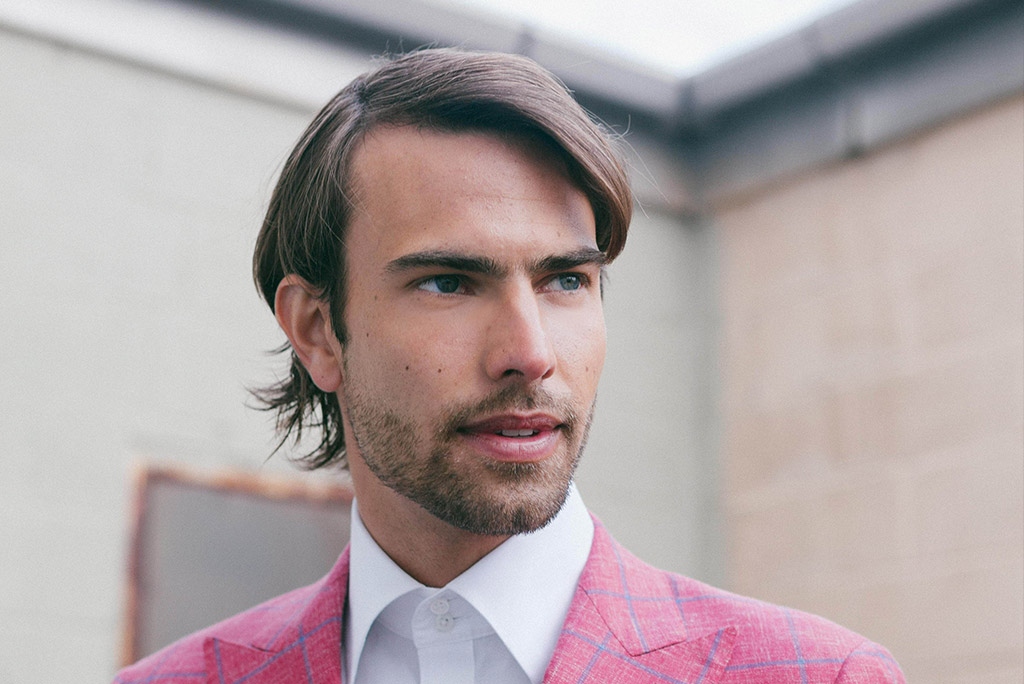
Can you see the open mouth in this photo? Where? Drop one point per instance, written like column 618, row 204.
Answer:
column 518, row 433
column 511, row 437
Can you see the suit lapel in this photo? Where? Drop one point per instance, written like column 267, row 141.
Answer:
column 624, row 625
column 301, row 646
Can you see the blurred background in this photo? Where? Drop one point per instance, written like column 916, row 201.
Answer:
column 814, row 391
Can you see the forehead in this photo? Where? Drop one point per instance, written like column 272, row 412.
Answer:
column 430, row 151
column 413, row 185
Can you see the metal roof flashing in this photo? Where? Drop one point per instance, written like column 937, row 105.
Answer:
column 845, row 83
column 852, row 76
column 678, row 103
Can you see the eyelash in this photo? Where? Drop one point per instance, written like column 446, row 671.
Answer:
column 462, row 280
column 583, row 279
column 465, row 282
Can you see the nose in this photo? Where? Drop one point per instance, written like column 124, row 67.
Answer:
column 518, row 341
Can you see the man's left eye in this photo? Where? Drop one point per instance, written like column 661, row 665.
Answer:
column 566, row 282
column 443, row 284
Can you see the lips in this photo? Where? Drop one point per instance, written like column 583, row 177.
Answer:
column 512, row 423
column 515, row 438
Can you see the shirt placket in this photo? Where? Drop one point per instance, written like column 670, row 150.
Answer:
column 444, row 641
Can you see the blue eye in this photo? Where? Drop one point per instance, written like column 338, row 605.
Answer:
column 567, row 282
column 442, row 284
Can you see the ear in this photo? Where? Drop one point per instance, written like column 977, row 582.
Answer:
column 306, row 320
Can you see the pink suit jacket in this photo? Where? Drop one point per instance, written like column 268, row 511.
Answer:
column 628, row 624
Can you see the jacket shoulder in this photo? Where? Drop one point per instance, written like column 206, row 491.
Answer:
column 184, row 660
column 775, row 643
column 775, row 638
column 769, row 643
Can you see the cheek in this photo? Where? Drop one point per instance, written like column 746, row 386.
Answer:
column 420, row 363
column 582, row 348
column 594, row 354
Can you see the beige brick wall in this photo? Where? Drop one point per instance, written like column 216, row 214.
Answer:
column 873, row 399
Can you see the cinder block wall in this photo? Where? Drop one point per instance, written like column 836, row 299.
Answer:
column 130, row 201
column 873, row 401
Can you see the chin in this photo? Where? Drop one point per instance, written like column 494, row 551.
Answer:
column 523, row 499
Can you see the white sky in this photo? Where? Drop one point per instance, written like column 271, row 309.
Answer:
column 677, row 36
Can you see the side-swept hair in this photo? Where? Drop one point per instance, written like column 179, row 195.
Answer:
column 441, row 89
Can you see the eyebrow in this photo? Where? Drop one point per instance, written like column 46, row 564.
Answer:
column 469, row 263
column 439, row 258
column 569, row 261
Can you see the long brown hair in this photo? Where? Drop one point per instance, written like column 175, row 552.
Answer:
column 442, row 89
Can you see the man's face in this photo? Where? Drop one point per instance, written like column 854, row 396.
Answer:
column 475, row 326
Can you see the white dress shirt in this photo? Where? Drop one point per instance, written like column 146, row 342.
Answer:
column 498, row 622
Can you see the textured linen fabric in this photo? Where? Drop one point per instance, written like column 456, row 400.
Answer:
column 628, row 624
column 511, row 603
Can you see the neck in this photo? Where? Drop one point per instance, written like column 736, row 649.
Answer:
column 428, row 549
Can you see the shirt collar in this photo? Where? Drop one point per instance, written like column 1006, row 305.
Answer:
column 537, row 573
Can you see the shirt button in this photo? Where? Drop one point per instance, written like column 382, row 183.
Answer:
column 439, row 606
column 444, row 623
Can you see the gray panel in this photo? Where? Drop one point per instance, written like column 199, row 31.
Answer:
column 206, row 554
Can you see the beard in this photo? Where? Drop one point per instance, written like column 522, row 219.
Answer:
column 475, row 494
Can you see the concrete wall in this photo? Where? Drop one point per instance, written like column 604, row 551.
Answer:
column 873, row 395
column 650, row 471
column 130, row 327
column 133, row 177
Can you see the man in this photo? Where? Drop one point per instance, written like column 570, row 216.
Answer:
column 433, row 252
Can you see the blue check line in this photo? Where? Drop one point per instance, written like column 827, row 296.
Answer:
column 165, row 675
column 886, row 659
column 287, row 648
column 679, row 605
column 623, row 657
column 305, row 655
column 680, row 599
column 719, row 597
column 220, row 666
column 711, row 657
column 593, row 660
column 302, row 604
column 629, row 599
column 156, row 666
column 796, row 646
column 774, row 663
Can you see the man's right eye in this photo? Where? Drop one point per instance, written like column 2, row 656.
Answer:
column 443, row 284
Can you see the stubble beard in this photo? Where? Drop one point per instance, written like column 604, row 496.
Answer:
column 482, row 496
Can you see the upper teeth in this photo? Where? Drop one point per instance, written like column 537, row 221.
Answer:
column 516, row 433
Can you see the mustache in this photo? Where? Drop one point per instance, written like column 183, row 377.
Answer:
column 507, row 399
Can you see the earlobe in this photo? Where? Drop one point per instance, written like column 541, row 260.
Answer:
column 306, row 321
